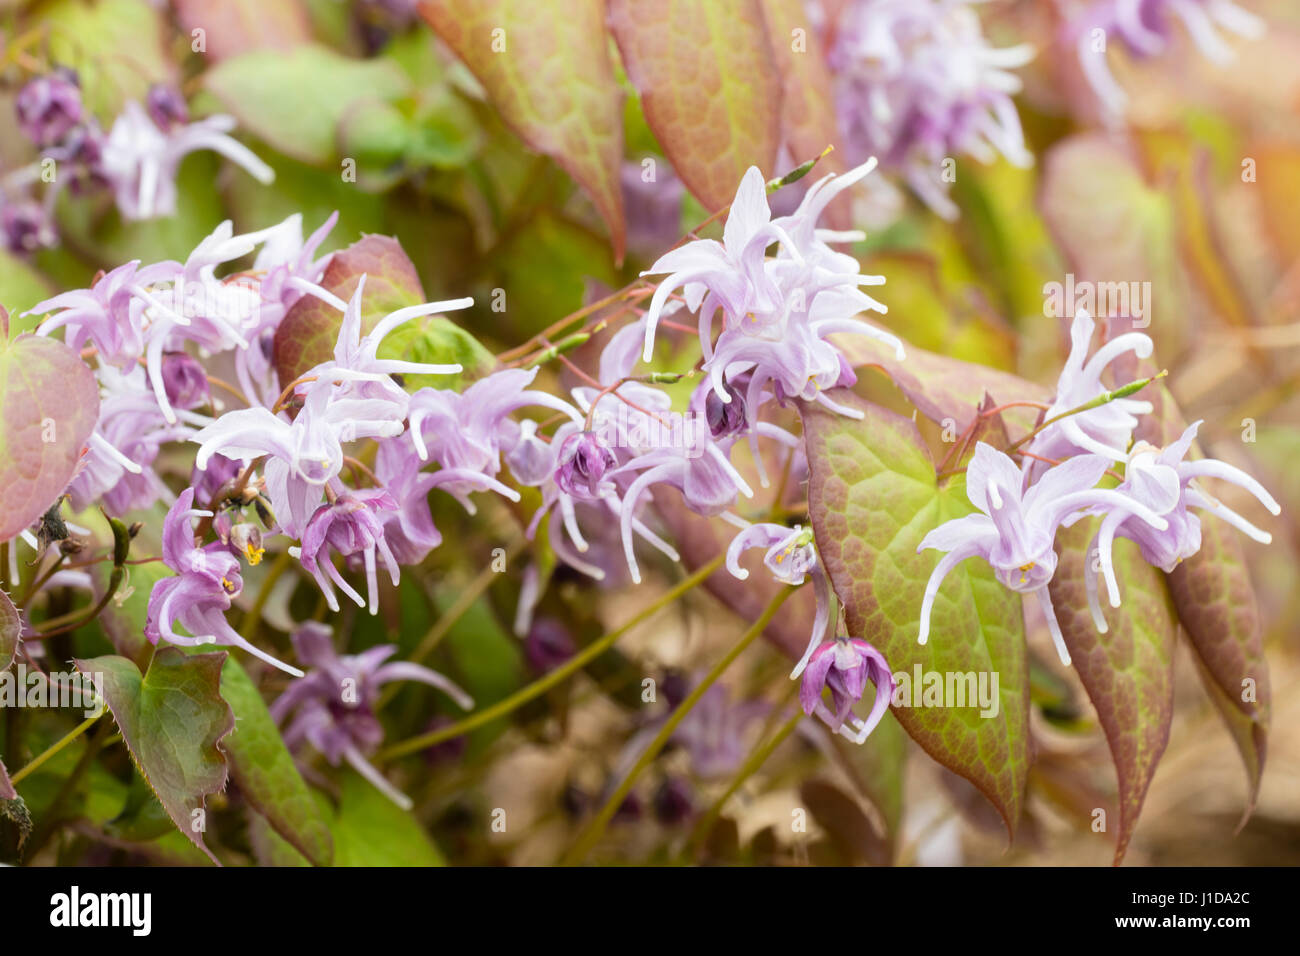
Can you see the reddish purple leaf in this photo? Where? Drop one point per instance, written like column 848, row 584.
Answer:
column 709, row 87
column 49, row 404
column 1128, row 672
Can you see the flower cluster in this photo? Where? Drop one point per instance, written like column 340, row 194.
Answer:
column 917, row 85
column 1144, row 28
column 137, row 159
column 1020, row 508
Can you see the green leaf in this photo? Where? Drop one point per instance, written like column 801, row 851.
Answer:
column 296, row 100
column 872, row 497
column 49, row 404
column 546, row 68
column 264, row 769
column 370, row 830
column 709, row 87
column 269, row 847
column 123, row 618
column 172, row 720
column 21, row 287
column 11, row 628
column 1128, row 672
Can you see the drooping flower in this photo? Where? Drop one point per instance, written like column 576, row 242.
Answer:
column 1163, row 481
column 303, row 455
column 791, row 557
column 696, row 464
column 333, row 706
column 109, row 315
column 1105, row 430
column 582, row 465
column 844, row 666
column 49, row 107
column 1145, row 27
column 206, row 582
column 917, row 83
column 352, row 528
column 466, row 432
column 728, row 275
column 1014, row 528
column 140, row 159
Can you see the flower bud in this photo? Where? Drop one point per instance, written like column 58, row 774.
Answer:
column 184, row 380
column 49, row 107
column 548, row 645
column 725, row 418
column 583, row 463
column 166, row 107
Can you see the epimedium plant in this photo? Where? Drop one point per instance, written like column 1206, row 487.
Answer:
column 276, row 412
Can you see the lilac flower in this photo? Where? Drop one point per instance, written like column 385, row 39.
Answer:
column 1014, row 529
column 49, row 107
column 466, row 432
column 917, row 83
column 409, row 530
column 365, row 402
column 286, row 261
column 207, row 581
column 725, row 418
column 303, row 455
column 109, row 315
column 166, row 107
column 729, row 275
column 1145, row 28
column 333, row 706
column 351, row 527
column 790, row 557
column 777, row 312
column 141, row 160
column 1162, row 481
column 25, row 226
column 115, row 470
column 1105, row 430
column 697, row 465
column 845, row 666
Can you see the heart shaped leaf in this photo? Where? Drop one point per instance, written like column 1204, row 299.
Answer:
column 173, row 720
column 872, row 497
